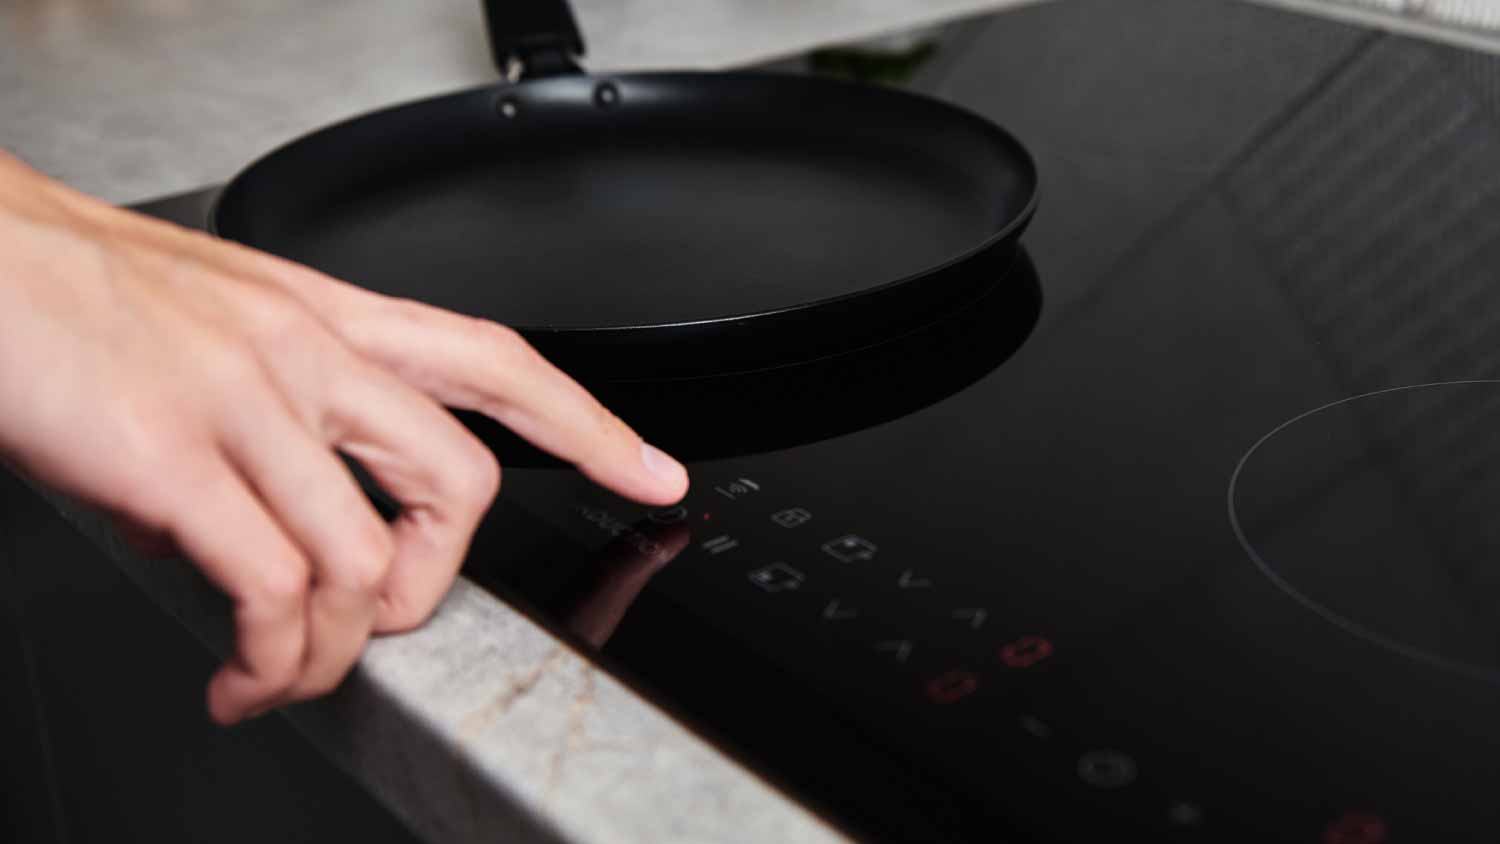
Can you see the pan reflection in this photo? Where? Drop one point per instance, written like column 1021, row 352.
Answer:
column 747, row 413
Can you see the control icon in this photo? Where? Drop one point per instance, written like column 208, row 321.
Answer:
column 669, row 515
column 1106, row 769
column 900, row 649
column 794, row 517
column 1025, row 652
column 952, row 687
column 1036, row 726
column 973, row 615
column 836, row 611
column 847, row 549
column 720, row 544
column 738, row 489
column 1185, row 814
column 777, row 577
column 909, row 580
column 1356, row 828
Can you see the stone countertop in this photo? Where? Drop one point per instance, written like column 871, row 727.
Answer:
column 135, row 99
column 481, row 726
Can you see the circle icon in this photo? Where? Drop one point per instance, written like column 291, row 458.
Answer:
column 1107, row 769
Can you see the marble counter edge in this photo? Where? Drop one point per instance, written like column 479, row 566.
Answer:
column 482, row 724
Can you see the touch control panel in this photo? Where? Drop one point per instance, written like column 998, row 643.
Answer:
column 953, row 676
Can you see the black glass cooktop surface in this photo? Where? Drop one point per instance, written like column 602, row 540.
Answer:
column 1183, row 528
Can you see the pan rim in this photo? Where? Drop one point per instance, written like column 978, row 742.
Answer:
column 1013, row 226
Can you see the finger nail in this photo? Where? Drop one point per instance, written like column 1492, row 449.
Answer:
column 660, row 464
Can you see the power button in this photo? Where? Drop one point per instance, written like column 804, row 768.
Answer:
column 952, row 687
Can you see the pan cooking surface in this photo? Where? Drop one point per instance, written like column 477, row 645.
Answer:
column 648, row 230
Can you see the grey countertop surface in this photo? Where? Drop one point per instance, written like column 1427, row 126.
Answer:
column 480, row 725
column 133, row 99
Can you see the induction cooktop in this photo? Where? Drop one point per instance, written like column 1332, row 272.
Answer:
column 1181, row 529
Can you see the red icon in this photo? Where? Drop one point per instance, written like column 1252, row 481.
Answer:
column 1025, row 652
column 1355, row 828
column 952, row 687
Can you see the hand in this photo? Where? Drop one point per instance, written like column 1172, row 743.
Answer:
column 200, row 391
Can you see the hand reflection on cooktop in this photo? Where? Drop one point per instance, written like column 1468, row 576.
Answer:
column 748, row 413
column 607, row 588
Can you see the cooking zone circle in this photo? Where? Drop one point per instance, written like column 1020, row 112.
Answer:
column 1381, row 513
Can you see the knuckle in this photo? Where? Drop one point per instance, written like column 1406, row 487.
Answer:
column 367, row 562
column 480, row 475
column 506, row 346
column 275, row 323
column 182, row 269
column 408, row 310
column 280, row 586
column 379, row 317
column 469, row 474
column 232, row 368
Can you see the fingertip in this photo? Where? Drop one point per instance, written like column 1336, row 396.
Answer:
column 669, row 478
column 397, row 612
column 228, row 696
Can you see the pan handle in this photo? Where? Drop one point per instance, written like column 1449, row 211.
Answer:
column 533, row 38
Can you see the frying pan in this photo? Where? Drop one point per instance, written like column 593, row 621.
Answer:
column 651, row 225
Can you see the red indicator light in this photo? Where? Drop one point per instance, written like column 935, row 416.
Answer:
column 952, row 686
column 1356, row 828
column 1025, row 652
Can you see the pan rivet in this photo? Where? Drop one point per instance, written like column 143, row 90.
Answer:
column 508, row 107
column 606, row 95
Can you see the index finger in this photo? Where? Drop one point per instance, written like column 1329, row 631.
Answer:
column 482, row 366
column 478, row 365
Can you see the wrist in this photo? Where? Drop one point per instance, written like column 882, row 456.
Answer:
column 27, row 194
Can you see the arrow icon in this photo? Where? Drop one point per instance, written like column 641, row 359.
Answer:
column 1036, row 727
column 974, row 616
column 909, row 580
column 835, row 612
column 901, row 648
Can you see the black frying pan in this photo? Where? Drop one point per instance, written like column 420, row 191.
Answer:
column 650, row 225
